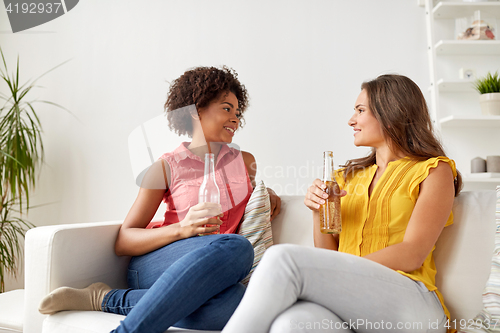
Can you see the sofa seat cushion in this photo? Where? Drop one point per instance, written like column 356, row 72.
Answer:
column 11, row 311
column 91, row 322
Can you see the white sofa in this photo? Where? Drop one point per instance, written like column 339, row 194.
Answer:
column 78, row 254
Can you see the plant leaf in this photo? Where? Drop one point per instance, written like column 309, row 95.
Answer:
column 21, row 152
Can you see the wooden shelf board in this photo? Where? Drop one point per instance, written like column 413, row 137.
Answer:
column 476, row 47
column 470, row 121
column 447, row 10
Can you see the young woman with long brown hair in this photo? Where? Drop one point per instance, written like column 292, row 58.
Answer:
column 378, row 274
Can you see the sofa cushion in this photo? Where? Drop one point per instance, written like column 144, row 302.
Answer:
column 489, row 316
column 11, row 311
column 293, row 225
column 91, row 322
column 256, row 225
column 463, row 253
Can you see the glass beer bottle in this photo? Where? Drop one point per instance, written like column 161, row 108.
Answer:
column 330, row 218
column 209, row 191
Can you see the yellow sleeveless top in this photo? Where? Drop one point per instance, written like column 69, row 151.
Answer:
column 372, row 223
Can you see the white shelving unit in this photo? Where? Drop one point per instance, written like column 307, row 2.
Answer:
column 454, row 103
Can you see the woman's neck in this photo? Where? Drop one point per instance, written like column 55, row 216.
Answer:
column 200, row 148
column 384, row 155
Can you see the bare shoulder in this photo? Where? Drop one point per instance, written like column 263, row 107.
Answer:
column 157, row 176
column 442, row 172
column 439, row 179
column 248, row 158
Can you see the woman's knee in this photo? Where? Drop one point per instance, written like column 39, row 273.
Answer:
column 237, row 248
column 279, row 258
column 279, row 253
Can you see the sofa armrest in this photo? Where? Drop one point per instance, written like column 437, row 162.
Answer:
column 73, row 255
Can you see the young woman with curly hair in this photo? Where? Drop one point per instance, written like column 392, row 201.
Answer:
column 378, row 274
column 175, row 277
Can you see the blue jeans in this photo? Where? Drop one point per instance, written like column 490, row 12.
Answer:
column 192, row 283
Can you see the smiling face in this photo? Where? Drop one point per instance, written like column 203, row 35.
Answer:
column 220, row 119
column 367, row 129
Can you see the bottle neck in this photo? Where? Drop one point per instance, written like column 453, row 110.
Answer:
column 209, row 166
column 328, row 170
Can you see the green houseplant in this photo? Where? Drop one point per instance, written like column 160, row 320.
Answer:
column 489, row 88
column 21, row 152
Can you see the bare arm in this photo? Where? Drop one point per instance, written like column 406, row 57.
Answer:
column 429, row 216
column 251, row 166
column 133, row 238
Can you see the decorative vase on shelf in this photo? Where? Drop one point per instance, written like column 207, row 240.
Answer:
column 490, row 103
column 493, row 163
column 489, row 88
column 478, row 165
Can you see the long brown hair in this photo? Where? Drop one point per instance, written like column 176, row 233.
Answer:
column 400, row 108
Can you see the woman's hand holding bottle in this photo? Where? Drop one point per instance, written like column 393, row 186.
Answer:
column 316, row 195
column 198, row 216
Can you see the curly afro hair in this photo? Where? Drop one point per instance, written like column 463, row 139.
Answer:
column 200, row 86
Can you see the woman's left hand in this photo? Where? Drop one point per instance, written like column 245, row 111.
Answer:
column 275, row 203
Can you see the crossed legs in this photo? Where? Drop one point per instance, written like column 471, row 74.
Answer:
column 368, row 296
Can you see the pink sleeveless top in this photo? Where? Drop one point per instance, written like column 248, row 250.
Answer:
column 186, row 171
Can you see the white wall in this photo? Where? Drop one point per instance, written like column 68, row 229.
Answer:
column 301, row 61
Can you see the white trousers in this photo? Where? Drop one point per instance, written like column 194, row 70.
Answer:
column 304, row 289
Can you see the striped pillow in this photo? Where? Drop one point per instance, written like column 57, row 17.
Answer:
column 256, row 224
column 490, row 314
